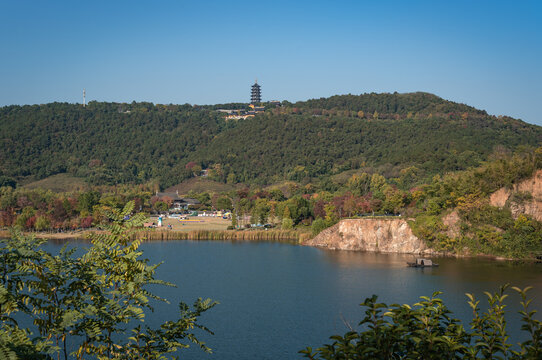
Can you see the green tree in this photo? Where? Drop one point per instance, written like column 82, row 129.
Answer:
column 394, row 201
column 286, row 214
column 331, row 216
column 261, row 209
column 359, row 184
column 318, row 225
column 287, row 224
column 42, row 223
column 87, row 200
column 231, row 178
column 27, row 213
column 224, row 203
column 160, row 206
column 377, row 183
column 96, row 302
column 234, row 219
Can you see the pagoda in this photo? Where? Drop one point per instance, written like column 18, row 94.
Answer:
column 256, row 95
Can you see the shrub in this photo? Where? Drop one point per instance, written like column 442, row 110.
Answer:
column 427, row 330
column 95, row 303
column 318, row 225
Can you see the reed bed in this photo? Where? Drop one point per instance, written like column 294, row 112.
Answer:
column 289, row 236
column 286, row 236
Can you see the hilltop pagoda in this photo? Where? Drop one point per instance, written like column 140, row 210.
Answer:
column 256, row 95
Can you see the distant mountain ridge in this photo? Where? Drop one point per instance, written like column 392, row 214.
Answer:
column 305, row 142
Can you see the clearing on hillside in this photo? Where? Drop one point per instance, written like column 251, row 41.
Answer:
column 59, row 183
column 201, row 184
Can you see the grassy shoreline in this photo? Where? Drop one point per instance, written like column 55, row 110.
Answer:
column 291, row 236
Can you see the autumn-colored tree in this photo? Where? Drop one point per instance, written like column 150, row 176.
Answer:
column 86, row 222
column 350, row 206
column 190, row 165
column 318, row 209
column 7, row 218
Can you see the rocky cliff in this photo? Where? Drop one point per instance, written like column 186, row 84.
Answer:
column 524, row 198
column 381, row 235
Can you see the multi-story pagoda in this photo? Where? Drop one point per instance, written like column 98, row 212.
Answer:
column 256, row 94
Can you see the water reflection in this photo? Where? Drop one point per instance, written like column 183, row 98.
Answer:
column 518, row 273
column 362, row 259
column 389, row 274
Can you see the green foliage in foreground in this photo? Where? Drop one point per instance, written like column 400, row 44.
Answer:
column 90, row 306
column 427, row 330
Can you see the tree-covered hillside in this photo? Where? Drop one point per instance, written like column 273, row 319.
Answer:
column 108, row 143
column 104, row 142
column 389, row 104
column 299, row 147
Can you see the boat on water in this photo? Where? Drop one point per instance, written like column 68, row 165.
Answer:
column 422, row 263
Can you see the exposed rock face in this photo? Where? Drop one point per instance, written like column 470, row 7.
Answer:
column 532, row 206
column 381, row 235
column 499, row 197
column 451, row 221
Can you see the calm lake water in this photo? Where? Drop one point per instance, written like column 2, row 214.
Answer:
column 276, row 299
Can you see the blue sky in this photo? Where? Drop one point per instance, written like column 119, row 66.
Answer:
column 487, row 54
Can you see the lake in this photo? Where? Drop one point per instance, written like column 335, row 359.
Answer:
column 276, row 299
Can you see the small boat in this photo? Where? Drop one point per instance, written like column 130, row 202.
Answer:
column 422, row 263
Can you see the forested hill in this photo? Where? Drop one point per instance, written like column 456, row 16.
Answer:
column 306, row 141
column 403, row 104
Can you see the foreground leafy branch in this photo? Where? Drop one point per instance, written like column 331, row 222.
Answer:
column 86, row 307
column 427, row 330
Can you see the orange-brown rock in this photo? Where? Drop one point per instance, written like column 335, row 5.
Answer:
column 500, row 197
column 380, row 235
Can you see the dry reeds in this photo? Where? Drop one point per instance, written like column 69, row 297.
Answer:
column 286, row 236
column 290, row 236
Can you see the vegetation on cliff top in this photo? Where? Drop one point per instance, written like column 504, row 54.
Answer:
column 480, row 228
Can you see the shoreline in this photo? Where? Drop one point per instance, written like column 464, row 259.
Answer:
column 291, row 236
column 171, row 235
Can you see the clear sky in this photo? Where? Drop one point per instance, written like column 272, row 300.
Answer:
column 487, row 54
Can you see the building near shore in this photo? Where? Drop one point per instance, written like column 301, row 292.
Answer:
column 177, row 203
